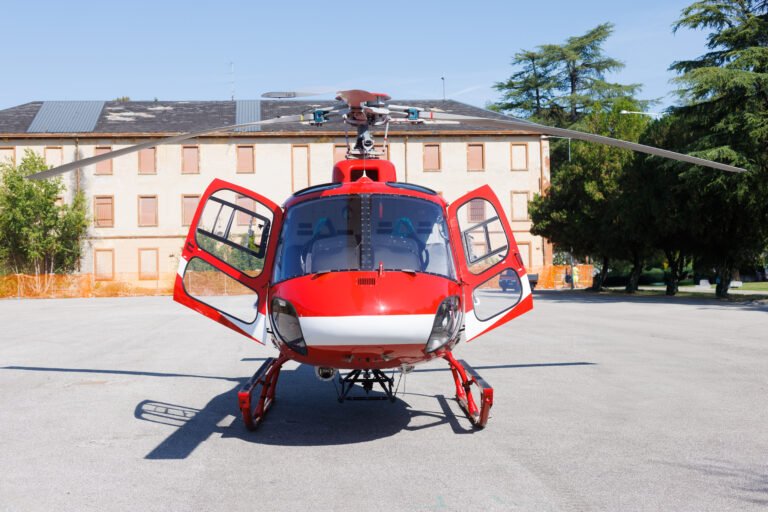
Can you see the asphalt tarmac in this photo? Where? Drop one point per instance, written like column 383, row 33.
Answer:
column 601, row 403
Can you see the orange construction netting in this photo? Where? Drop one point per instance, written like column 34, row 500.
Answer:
column 555, row 277
column 47, row 286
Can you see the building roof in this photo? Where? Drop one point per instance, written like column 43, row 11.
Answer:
column 171, row 117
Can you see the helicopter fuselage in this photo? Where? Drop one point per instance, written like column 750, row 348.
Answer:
column 366, row 266
column 361, row 273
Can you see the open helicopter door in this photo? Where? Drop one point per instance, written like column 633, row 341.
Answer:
column 495, row 286
column 226, row 260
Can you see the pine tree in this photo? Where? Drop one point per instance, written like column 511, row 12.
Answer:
column 531, row 91
column 725, row 116
column 559, row 84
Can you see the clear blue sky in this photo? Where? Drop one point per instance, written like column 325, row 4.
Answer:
column 77, row 50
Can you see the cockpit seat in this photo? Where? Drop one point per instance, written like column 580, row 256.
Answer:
column 334, row 253
column 396, row 252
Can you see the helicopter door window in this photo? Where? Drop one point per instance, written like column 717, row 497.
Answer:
column 482, row 233
column 496, row 295
column 209, row 285
column 248, row 205
column 235, row 229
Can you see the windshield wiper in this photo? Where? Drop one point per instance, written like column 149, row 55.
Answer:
column 406, row 270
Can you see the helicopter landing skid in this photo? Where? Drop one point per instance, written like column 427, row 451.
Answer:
column 265, row 378
column 464, row 376
column 366, row 378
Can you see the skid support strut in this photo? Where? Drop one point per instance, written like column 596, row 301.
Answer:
column 264, row 379
column 464, row 376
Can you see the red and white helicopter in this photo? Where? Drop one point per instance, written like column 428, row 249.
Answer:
column 363, row 273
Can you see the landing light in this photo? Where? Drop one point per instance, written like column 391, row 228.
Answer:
column 446, row 325
column 286, row 324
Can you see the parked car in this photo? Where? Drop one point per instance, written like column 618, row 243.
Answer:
column 510, row 281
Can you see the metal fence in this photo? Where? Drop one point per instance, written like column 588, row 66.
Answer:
column 132, row 284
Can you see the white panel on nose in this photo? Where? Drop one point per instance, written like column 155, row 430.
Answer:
column 366, row 330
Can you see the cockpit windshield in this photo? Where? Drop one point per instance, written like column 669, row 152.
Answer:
column 359, row 232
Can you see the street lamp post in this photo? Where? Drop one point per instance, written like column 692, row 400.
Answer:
column 443, row 79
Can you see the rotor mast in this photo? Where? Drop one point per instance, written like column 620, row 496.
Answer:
column 366, row 110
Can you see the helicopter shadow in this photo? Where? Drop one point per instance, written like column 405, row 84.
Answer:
column 305, row 413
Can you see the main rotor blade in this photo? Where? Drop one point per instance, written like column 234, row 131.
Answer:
column 294, row 94
column 77, row 164
column 589, row 137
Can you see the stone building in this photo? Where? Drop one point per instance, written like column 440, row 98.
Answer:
column 141, row 204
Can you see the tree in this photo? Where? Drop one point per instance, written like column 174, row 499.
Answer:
column 725, row 116
column 583, row 209
column 663, row 210
column 582, row 72
column 531, row 91
column 559, row 84
column 38, row 235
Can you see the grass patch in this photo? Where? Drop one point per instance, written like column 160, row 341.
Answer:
column 755, row 287
column 661, row 292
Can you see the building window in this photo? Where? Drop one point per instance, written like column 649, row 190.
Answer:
column 245, row 162
column 104, row 211
column 104, row 264
column 431, row 157
column 148, row 263
column 188, row 207
column 476, row 212
column 8, row 155
column 105, row 166
column 148, row 161
column 147, row 211
column 475, row 157
column 519, row 157
column 190, row 160
column 53, row 156
column 519, row 206
column 339, row 152
column 244, row 219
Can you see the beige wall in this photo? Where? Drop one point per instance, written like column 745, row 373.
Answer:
column 273, row 178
